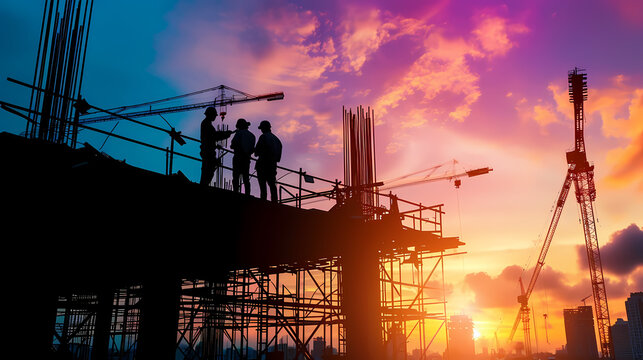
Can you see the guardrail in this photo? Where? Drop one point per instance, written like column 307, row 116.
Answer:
column 414, row 215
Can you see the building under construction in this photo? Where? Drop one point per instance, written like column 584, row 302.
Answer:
column 116, row 262
column 110, row 261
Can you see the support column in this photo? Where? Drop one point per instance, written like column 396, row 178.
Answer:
column 157, row 336
column 361, row 304
column 100, row 345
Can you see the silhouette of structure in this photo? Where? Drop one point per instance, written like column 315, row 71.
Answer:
column 581, row 173
column 622, row 343
column 634, row 308
column 319, row 345
column 60, row 63
column 240, row 291
column 235, row 296
column 117, row 265
column 579, row 331
column 461, row 342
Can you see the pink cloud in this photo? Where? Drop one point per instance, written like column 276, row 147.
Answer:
column 445, row 67
column 542, row 113
column 363, row 35
column 493, row 33
column 442, row 68
column 631, row 11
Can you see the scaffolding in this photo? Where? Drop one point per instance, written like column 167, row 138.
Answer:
column 276, row 312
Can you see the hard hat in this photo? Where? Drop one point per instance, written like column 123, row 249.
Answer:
column 242, row 124
column 210, row 111
column 265, row 124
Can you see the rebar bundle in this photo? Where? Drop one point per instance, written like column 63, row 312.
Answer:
column 59, row 70
column 359, row 155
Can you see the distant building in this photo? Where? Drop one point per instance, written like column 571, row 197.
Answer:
column 396, row 344
column 579, row 330
column 621, row 340
column 561, row 354
column 461, row 343
column 634, row 308
column 318, row 348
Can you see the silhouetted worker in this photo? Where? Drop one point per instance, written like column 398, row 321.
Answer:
column 209, row 138
column 268, row 151
column 243, row 144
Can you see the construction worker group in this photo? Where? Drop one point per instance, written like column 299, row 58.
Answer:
column 267, row 149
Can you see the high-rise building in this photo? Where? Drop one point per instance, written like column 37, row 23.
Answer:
column 318, row 348
column 396, row 344
column 461, row 343
column 579, row 330
column 621, row 340
column 634, row 308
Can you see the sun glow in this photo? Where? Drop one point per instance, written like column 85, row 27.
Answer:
column 476, row 334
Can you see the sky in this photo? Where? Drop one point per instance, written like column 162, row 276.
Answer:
column 481, row 82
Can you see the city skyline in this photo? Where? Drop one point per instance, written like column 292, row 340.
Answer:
column 483, row 84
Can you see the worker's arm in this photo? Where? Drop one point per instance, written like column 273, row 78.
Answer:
column 220, row 135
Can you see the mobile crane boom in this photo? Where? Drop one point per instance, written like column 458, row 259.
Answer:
column 523, row 299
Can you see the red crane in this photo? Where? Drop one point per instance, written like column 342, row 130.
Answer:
column 581, row 173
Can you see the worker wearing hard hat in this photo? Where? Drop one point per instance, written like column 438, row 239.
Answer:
column 268, row 151
column 209, row 138
column 243, row 145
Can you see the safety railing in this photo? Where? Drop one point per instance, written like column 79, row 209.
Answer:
column 414, row 215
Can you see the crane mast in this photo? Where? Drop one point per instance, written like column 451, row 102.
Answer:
column 583, row 178
column 581, row 174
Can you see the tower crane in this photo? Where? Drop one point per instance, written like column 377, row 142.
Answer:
column 406, row 180
column 226, row 96
column 581, row 173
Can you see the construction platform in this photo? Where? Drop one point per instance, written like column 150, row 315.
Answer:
column 79, row 222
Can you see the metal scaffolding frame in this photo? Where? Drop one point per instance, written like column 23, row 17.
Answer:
column 247, row 314
column 276, row 311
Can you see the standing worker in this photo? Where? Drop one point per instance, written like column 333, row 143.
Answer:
column 268, row 151
column 243, row 144
column 209, row 138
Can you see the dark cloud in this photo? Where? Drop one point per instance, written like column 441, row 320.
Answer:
column 502, row 290
column 622, row 254
column 637, row 281
column 554, row 283
column 495, row 292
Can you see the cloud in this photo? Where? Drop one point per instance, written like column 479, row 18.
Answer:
column 637, row 280
column 627, row 162
column 328, row 86
column 622, row 254
column 493, row 34
column 543, row 113
column 631, row 11
column 292, row 127
column 442, row 68
column 502, row 291
column 276, row 45
column 365, row 34
column 495, row 292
